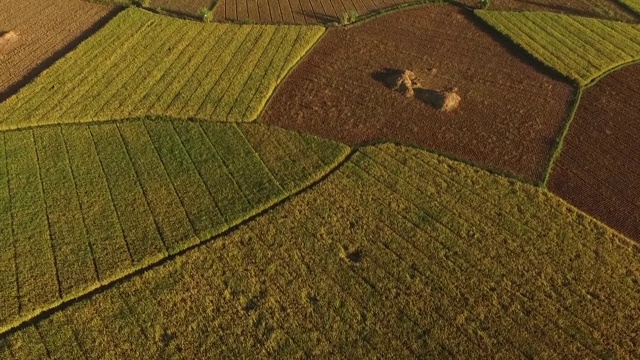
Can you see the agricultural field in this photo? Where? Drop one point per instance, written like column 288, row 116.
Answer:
column 580, row 48
column 68, row 190
column 598, row 169
column 124, row 72
column 398, row 254
column 44, row 31
column 431, row 181
column 304, row 12
column 511, row 112
column 600, row 9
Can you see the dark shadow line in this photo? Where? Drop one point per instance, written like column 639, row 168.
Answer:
column 46, row 63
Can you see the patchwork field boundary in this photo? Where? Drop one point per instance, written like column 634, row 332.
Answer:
column 560, row 140
column 149, row 263
column 567, row 127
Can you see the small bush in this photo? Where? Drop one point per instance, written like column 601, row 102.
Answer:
column 485, row 3
column 206, row 15
column 141, row 3
column 348, row 17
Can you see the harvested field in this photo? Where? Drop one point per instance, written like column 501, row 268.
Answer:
column 83, row 206
column 580, row 48
column 205, row 71
column 603, row 9
column 297, row 11
column 510, row 114
column 598, row 169
column 46, row 30
column 398, row 254
column 632, row 4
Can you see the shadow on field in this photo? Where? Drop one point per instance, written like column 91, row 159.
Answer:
column 11, row 90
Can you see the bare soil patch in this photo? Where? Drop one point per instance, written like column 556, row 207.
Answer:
column 605, row 9
column 509, row 118
column 296, row 11
column 599, row 167
column 45, row 31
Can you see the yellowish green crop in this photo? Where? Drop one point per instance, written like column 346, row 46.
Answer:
column 632, row 4
column 578, row 47
column 83, row 205
column 398, row 254
column 143, row 64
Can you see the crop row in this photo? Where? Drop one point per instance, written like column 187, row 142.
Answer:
column 399, row 253
column 632, row 4
column 578, row 47
column 83, row 205
column 207, row 71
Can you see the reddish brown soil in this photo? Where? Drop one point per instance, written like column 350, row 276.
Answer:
column 598, row 170
column 46, row 30
column 183, row 7
column 606, row 9
column 296, row 11
column 510, row 113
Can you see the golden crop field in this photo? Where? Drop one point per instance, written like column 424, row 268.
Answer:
column 398, row 254
column 219, row 72
column 85, row 205
column 580, row 48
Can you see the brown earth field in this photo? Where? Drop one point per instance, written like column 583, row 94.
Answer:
column 605, row 9
column 46, row 30
column 183, row 7
column 598, row 170
column 511, row 111
column 296, row 11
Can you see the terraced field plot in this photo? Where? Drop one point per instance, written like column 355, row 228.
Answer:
column 599, row 168
column 206, row 71
column 602, row 9
column 85, row 205
column 510, row 114
column 580, row 48
column 45, row 31
column 400, row 254
column 297, row 11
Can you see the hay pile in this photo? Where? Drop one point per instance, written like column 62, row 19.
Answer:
column 8, row 42
column 408, row 84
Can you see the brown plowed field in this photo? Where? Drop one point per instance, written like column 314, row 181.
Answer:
column 510, row 114
column 183, row 7
column 599, row 167
column 296, row 11
column 606, row 9
column 46, row 30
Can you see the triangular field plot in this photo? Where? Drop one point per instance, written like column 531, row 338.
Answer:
column 580, row 48
column 83, row 205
